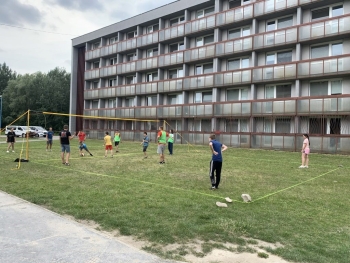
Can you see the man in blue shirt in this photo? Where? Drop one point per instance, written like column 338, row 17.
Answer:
column 49, row 137
column 216, row 161
column 144, row 143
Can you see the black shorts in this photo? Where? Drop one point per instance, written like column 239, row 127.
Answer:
column 145, row 148
column 116, row 143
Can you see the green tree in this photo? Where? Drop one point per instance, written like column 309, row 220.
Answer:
column 6, row 74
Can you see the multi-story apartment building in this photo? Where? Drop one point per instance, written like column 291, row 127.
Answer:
column 258, row 73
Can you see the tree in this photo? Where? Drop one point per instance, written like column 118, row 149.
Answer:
column 6, row 74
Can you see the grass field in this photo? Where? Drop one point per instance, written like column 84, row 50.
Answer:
column 306, row 210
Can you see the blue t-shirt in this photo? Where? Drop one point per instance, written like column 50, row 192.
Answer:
column 50, row 135
column 146, row 140
column 217, row 147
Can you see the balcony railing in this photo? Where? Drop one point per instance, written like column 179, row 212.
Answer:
column 335, row 65
column 127, row 44
column 200, row 53
column 172, row 32
column 236, row 108
column 191, row 111
column 147, row 88
column 323, row 105
column 269, row 6
column 325, row 28
column 109, row 50
column 108, row 71
column 171, row 59
column 169, row 112
column 200, row 24
column 234, row 15
column 233, row 77
column 198, row 82
column 275, row 72
column 303, row 2
column 145, row 112
column 284, row 107
column 125, row 90
column 147, row 63
column 148, row 39
column 126, row 67
column 170, row 85
column 91, row 94
column 125, row 112
column 91, row 54
column 92, row 74
column 234, row 46
column 279, row 37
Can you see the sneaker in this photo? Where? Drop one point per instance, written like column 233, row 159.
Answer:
column 246, row 198
column 7, row 151
column 66, row 164
column 301, row 166
column 306, row 166
column 221, row 204
column 228, row 200
column 91, row 154
column 162, row 162
column 13, row 151
column 212, row 188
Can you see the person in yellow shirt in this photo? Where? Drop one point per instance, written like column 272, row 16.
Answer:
column 108, row 144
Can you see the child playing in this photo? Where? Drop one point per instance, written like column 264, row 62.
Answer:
column 82, row 146
column 145, row 144
column 108, row 144
column 171, row 142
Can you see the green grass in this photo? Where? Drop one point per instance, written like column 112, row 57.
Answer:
column 306, row 210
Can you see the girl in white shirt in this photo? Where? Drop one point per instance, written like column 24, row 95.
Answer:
column 305, row 151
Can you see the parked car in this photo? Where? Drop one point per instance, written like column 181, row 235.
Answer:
column 40, row 131
column 21, row 130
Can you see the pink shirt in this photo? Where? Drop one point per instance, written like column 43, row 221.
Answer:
column 306, row 141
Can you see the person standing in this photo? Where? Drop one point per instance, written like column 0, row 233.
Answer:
column 11, row 139
column 49, row 138
column 216, row 161
column 117, row 138
column 171, row 141
column 144, row 143
column 305, row 151
column 82, row 136
column 161, row 138
column 108, row 144
column 65, row 137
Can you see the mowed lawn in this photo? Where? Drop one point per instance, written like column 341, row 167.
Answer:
column 306, row 210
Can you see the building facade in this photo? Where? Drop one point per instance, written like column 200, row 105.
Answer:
column 258, row 73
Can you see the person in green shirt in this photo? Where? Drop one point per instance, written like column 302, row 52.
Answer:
column 117, row 138
column 171, row 141
column 161, row 138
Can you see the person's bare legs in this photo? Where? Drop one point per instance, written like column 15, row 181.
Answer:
column 306, row 160
column 67, row 157
column 62, row 157
column 303, row 159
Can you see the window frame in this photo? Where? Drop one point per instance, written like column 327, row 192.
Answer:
column 135, row 34
column 240, row 63
column 202, row 96
column 204, row 12
column 202, row 68
column 153, row 50
column 275, row 90
column 241, row 29
column 330, row 44
column 177, row 73
column 178, row 46
column 329, row 86
column 240, row 91
column 179, row 21
column 149, row 32
column 128, row 56
column 133, row 79
column 330, row 9
column 203, row 37
column 151, row 74
column 115, row 40
column 276, row 56
column 276, row 20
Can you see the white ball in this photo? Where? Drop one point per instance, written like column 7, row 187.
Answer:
column 82, row 154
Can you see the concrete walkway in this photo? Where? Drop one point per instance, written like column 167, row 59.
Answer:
column 30, row 233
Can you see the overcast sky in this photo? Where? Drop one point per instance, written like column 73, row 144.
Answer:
column 26, row 49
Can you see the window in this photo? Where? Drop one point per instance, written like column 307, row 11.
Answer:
column 279, row 23
column 129, row 102
column 236, row 125
column 205, row 96
column 152, row 76
column 94, row 104
column 95, row 45
column 327, row 50
column 280, row 57
column 152, row 52
column 152, row 28
column 175, row 99
column 176, row 73
column 203, row 125
column 205, row 12
column 94, row 85
column 112, row 82
column 278, row 91
column 236, row 94
column 112, row 40
column 131, row 34
column 177, row 20
column 96, row 64
column 326, row 12
column 151, row 100
column 201, row 41
column 130, row 79
column 176, row 47
column 282, row 125
column 204, row 69
column 322, row 88
column 240, row 32
column 238, row 63
column 131, row 57
column 112, row 61
column 111, row 103
column 236, row 3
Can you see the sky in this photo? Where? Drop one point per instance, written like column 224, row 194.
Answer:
column 36, row 35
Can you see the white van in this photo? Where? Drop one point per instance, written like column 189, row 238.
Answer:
column 20, row 130
column 40, row 131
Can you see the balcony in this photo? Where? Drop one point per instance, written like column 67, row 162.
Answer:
column 127, row 44
column 200, row 24
column 171, row 59
column 128, row 113
column 330, row 105
column 276, row 72
column 233, row 77
column 200, row 53
column 193, row 111
column 90, row 112
column 91, row 54
column 170, row 85
column 126, row 67
column 147, row 63
column 234, row 46
column 320, row 67
column 279, row 37
column 108, row 71
column 109, row 50
column 125, row 90
column 172, row 32
column 280, row 107
column 234, row 15
column 107, row 92
column 198, row 82
column 145, row 112
column 169, row 112
column 236, row 108
column 148, row 39
column 303, row 2
column 147, row 88
column 269, row 6
column 337, row 26
column 92, row 74
column 107, row 113
column 91, row 94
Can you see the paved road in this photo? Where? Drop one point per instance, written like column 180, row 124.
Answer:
column 30, row 233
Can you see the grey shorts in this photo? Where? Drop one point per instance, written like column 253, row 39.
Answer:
column 161, row 148
column 65, row 148
column 49, row 142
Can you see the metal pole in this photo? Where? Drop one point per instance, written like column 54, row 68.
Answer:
column 0, row 110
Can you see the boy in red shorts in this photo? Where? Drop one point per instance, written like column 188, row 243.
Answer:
column 108, row 144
